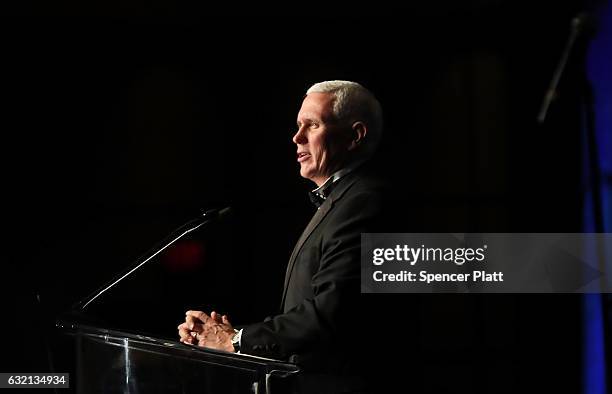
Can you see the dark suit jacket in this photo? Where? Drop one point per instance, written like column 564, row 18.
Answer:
column 321, row 316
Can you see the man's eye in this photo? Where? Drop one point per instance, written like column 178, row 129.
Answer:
column 314, row 125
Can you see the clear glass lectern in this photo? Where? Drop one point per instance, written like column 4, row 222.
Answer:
column 110, row 361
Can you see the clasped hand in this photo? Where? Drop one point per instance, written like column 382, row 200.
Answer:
column 214, row 331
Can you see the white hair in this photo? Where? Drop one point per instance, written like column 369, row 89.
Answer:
column 352, row 103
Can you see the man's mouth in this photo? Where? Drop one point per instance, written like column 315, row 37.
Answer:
column 301, row 156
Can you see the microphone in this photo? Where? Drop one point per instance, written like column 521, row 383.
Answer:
column 191, row 226
column 581, row 24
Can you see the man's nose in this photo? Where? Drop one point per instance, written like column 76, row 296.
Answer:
column 299, row 137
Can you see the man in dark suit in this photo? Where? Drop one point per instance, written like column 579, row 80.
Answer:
column 339, row 128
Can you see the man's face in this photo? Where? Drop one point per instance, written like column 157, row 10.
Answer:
column 322, row 144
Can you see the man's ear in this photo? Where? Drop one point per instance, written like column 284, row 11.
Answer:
column 358, row 134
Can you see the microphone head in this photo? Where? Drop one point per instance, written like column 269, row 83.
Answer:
column 216, row 212
column 583, row 22
column 225, row 211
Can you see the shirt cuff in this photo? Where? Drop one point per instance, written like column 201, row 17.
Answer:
column 238, row 339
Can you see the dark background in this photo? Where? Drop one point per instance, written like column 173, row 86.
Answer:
column 123, row 119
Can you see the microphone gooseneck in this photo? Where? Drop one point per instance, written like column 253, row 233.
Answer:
column 192, row 225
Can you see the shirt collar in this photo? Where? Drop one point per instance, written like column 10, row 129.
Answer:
column 320, row 194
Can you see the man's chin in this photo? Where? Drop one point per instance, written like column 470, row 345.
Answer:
column 304, row 173
column 307, row 175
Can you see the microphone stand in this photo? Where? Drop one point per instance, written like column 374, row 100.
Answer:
column 577, row 28
column 581, row 25
column 192, row 225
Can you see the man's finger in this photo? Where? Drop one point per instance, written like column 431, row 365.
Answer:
column 185, row 335
column 195, row 327
column 203, row 317
column 215, row 316
column 190, row 321
column 225, row 320
column 184, row 331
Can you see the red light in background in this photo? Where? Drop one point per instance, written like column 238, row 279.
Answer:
column 184, row 256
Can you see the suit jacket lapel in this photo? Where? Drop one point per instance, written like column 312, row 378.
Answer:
column 314, row 222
